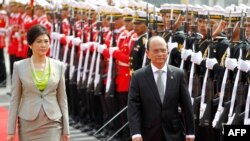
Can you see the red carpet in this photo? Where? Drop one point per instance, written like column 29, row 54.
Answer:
column 3, row 124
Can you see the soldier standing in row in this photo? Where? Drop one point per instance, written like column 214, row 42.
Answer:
column 3, row 27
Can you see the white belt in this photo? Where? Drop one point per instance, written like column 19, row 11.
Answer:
column 123, row 64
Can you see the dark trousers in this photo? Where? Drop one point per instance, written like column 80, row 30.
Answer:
column 122, row 99
column 12, row 60
column 2, row 66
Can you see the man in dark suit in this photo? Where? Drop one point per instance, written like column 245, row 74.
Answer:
column 153, row 101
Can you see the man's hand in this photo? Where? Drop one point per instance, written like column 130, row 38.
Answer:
column 10, row 137
column 112, row 49
column 100, row 48
column 210, row 62
column 185, row 53
column 243, row 65
column 137, row 139
column 189, row 139
column 231, row 63
column 66, row 137
column 197, row 58
column 171, row 46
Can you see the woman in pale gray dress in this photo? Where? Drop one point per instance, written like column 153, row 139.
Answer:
column 38, row 100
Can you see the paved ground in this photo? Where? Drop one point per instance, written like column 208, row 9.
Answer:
column 76, row 135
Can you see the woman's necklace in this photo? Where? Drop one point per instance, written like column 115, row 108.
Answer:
column 34, row 71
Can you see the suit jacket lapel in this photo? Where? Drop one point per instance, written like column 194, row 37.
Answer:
column 150, row 76
column 170, row 80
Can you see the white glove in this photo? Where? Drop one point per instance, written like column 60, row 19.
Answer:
column 84, row 46
column 246, row 121
column 2, row 31
column 185, row 53
column 17, row 35
column 69, row 38
column 95, row 45
column 76, row 41
column 197, row 58
column 52, row 35
column 112, row 49
column 231, row 63
column 244, row 65
column 100, row 48
column 210, row 62
column 171, row 46
column 58, row 36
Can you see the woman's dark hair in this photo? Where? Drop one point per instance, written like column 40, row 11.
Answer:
column 34, row 32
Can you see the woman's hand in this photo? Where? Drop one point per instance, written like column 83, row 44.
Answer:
column 10, row 137
column 66, row 137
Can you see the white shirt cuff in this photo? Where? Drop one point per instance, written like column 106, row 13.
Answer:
column 190, row 136
column 139, row 135
column 136, row 136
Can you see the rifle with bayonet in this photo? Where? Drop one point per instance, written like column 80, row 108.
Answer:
column 194, row 85
column 237, row 105
column 99, row 68
column 226, row 88
column 88, row 56
column 208, row 84
column 111, row 85
column 155, row 18
column 148, row 36
column 183, row 64
column 171, row 30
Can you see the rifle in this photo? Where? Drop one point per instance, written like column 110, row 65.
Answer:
column 73, row 49
column 208, row 85
column 111, row 86
column 236, row 114
column 55, row 44
column 87, row 60
column 82, row 48
column 238, row 84
column 194, row 85
column 155, row 18
column 172, row 22
column 186, row 23
column 170, row 31
column 98, row 81
column 225, row 92
column 148, row 35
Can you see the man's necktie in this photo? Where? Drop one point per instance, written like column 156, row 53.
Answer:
column 160, row 85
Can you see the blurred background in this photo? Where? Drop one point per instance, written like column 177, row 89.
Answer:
column 222, row 3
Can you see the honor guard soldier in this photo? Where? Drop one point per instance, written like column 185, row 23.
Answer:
column 218, row 44
column 159, row 25
column 3, row 27
column 127, row 37
column 40, row 16
column 238, row 51
column 197, row 43
column 246, row 67
column 27, row 19
column 114, row 40
column 139, row 48
column 175, row 31
column 14, row 36
column 65, row 21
